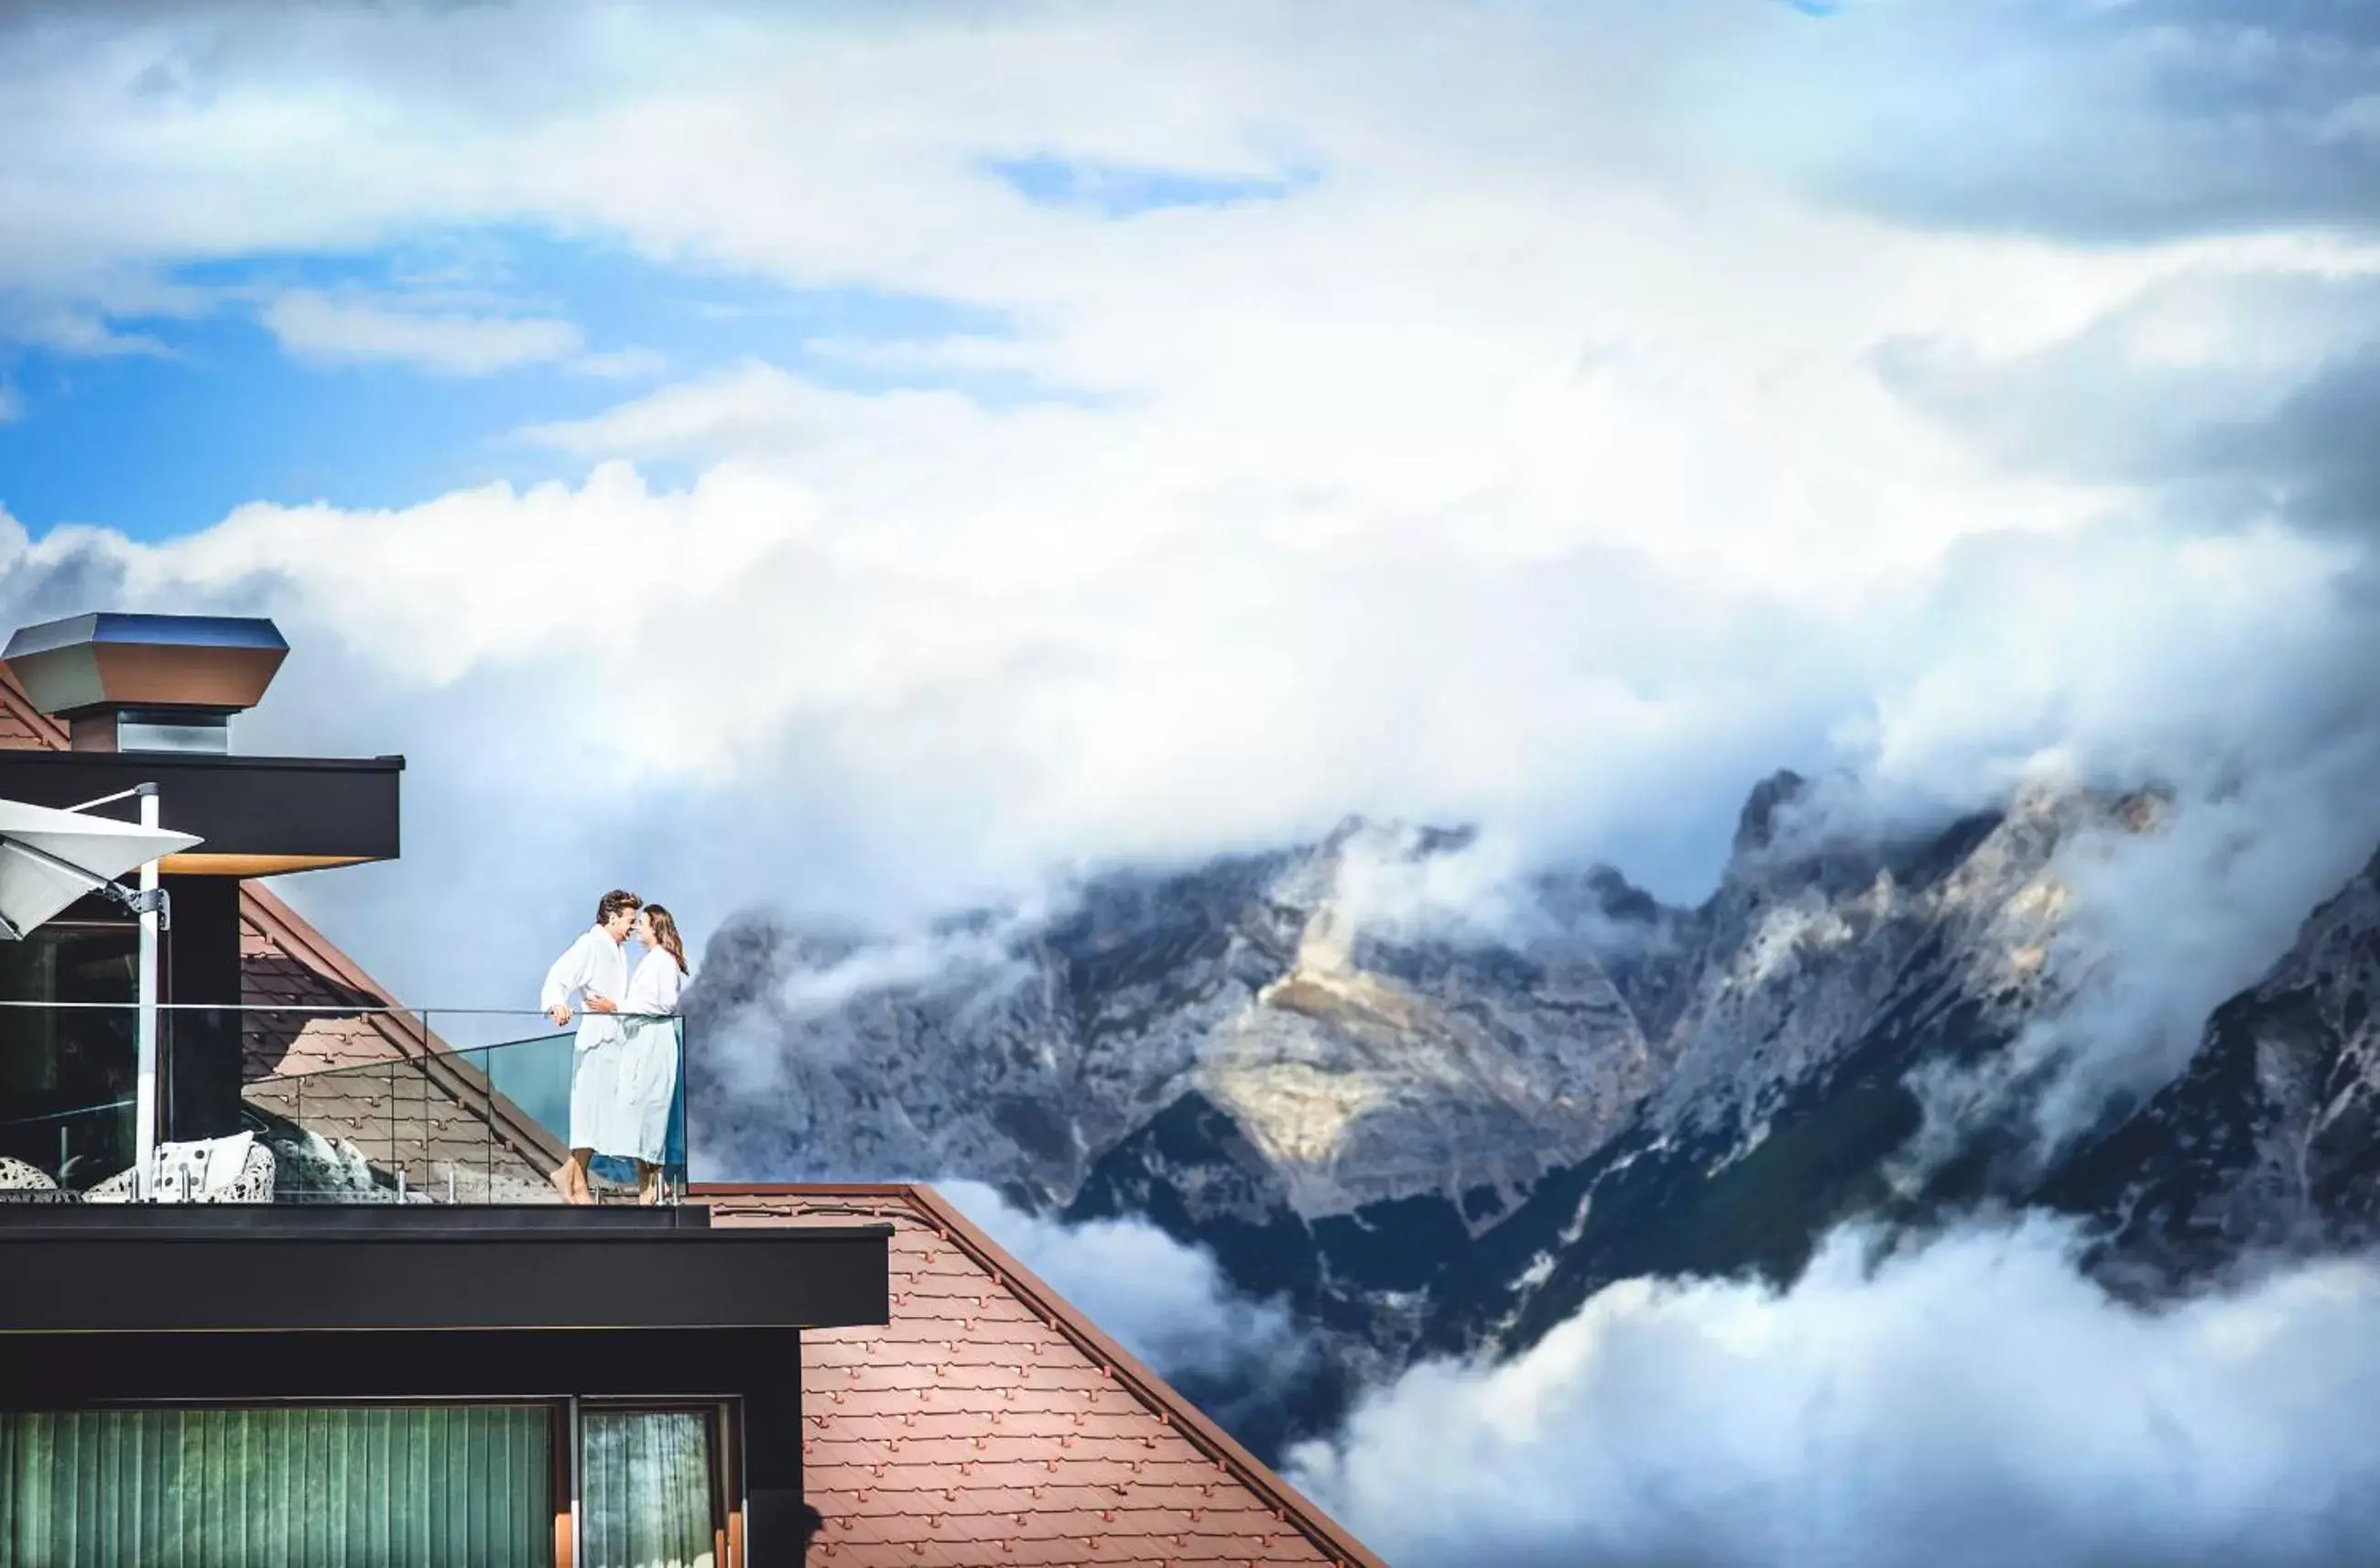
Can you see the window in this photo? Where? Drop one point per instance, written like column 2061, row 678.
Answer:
column 344, row 1487
column 386, row 1486
column 649, row 1488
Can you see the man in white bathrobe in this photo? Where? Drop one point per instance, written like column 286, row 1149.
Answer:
column 594, row 973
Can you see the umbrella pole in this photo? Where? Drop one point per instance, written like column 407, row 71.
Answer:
column 144, row 1114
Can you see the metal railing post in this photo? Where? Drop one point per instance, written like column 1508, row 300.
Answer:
column 144, row 1112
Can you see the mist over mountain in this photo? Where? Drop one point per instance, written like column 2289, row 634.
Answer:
column 1434, row 1103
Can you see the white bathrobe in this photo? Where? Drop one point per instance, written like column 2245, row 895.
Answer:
column 649, row 1067
column 597, row 965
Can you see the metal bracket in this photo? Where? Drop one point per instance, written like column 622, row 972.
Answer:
column 136, row 790
column 134, row 901
column 157, row 900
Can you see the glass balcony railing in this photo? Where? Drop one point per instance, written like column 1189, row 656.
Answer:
column 340, row 1105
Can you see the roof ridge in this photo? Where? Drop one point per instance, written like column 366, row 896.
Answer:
column 1292, row 1507
column 291, row 929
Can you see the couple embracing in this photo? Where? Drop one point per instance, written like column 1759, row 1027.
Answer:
column 624, row 1070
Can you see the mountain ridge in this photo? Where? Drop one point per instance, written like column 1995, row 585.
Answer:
column 1432, row 1134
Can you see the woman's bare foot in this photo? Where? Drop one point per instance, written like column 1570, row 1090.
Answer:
column 561, row 1184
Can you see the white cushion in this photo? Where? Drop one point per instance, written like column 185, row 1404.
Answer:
column 214, row 1165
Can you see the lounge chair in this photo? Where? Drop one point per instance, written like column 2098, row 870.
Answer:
column 237, row 1168
column 18, row 1176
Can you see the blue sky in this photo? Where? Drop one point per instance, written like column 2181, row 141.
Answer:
column 1119, row 190
column 212, row 411
column 209, row 409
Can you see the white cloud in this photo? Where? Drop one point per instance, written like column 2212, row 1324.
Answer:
column 1974, row 1404
column 622, row 364
column 883, row 671
column 984, row 956
column 1166, row 1303
column 1530, row 465
column 319, row 327
column 960, row 353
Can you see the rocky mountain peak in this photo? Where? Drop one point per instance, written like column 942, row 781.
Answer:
column 2270, row 1140
column 1756, row 827
column 1429, row 1131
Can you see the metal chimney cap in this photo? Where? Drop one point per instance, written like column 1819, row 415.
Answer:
column 107, row 661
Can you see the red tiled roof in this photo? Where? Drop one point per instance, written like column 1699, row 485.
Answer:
column 278, row 970
column 448, row 1118
column 990, row 1422
column 24, row 727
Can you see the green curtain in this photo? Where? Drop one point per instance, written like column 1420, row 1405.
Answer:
column 409, row 1487
column 645, row 1489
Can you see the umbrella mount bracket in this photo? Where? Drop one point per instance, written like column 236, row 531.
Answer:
column 155, row 901
column 138, row 903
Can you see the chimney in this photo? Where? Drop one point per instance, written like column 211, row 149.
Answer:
column 146, row 683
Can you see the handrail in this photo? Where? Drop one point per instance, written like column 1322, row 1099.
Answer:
column 360, row 1009
column 395, row 1050
column 68, row 1115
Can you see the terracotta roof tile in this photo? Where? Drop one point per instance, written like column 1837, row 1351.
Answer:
column 276, row 973
column 374, row 1080
column 988, row 1423
column 24, row 727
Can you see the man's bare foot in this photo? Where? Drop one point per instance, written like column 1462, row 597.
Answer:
column 561, row 1184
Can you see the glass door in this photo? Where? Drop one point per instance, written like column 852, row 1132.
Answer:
column 67, row 1071
column 651, row 1487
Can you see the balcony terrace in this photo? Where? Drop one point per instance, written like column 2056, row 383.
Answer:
column 336, row 1104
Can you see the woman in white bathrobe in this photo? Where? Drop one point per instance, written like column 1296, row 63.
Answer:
column 649, row 1063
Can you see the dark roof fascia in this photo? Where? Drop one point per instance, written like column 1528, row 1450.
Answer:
column 179, row 760
column 352, row 1220
column 296, row 1268
column 328, row 807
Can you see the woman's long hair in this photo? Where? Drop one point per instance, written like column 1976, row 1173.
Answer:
column 665, row 934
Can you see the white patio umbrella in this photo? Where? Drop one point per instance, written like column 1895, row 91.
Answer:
column 49, row 858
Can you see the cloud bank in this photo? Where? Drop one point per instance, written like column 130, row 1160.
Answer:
column 1166, row 1303
column 312, row 326
column 1544, row 449
column 1974, row 1403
